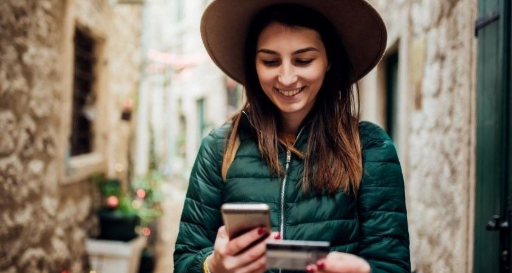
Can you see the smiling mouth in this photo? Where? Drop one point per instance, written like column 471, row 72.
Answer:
column 290, row 92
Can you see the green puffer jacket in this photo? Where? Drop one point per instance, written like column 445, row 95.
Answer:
column 372, row 226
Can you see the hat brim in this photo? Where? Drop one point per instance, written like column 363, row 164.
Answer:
column 225, row 24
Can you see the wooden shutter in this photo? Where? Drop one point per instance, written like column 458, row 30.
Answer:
column 81, row 132
column 491, row 249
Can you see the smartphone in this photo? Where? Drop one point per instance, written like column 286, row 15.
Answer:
column 295, row 255
column 242, row 217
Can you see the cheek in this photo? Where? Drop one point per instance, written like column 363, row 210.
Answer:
column 314, row 76
column 265, row 76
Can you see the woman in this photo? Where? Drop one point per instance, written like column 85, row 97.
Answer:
column 297, row 145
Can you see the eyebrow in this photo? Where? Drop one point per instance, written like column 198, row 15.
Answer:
column 303, row 50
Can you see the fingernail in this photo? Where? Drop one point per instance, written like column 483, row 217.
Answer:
column 277, row 236
column 310, row 269
column 262, row 231
column 320, row 264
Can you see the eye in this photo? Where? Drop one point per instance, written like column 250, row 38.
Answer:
column 271, row 63
column 303, row 62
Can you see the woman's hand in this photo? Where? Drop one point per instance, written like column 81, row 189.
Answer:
column 227, row 256
column 337, row 262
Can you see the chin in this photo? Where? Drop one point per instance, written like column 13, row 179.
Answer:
column 288, row 110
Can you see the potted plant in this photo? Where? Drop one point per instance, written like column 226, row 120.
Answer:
column 122, row 217
column 149, row 201
column 117, row 217
column 117, row 220
column 118, row 246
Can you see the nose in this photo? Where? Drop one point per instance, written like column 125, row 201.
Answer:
column 287, row 75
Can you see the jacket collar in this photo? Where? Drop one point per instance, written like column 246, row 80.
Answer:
column 247, row 129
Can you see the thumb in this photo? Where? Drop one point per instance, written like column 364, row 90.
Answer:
column 222, row 236
column 221, row 241
column 222, row 232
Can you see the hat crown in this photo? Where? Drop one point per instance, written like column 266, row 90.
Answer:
column 225, row 24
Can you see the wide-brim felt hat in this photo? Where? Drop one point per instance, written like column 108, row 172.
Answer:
column 225, row 24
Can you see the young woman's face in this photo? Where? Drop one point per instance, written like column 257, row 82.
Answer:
column 291, row 64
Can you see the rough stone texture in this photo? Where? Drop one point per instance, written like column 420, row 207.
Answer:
column 44, row 223
column 29, row 32
column 440, row 149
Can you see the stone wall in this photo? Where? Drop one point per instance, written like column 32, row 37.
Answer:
column 45, row 221
column 440, row 126
column 442, row 138
column 32, row 239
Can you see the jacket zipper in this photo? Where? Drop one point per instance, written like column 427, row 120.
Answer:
column 283, row 187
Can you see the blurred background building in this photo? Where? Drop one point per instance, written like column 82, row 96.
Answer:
column 183, row 96
column 134, row 78
column 67, row 71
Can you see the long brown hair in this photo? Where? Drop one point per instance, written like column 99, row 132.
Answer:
column 332, row 158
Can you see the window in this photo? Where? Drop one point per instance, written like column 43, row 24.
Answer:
column 83, row 96
column 392, row 97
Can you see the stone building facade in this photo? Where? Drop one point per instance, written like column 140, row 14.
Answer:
column 46, row 198
column 435, row 108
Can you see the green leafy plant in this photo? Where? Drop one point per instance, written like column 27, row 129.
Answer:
column 117, row 216
column 143, row 200
column 148, row 192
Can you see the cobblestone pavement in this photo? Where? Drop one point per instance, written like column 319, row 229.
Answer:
column 169, row 224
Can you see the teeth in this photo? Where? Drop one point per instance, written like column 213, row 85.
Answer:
column 289, row 93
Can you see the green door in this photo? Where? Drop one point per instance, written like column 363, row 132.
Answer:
column 494, row 139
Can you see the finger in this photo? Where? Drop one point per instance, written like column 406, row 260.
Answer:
column 276, row 235
column 222, row 232
column 321, row 264
column 343, row 263
column 252, row 254
column 334, row 262
column 331, row 263
column 221, row 240
column 312, row 268
column 241, row 242
column 259, row 265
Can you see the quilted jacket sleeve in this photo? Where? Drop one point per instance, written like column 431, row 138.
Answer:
column 384, row 235
column 201, row 216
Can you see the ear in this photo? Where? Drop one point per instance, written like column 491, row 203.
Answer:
column 328, row 67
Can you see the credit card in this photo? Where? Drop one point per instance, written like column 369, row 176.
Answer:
column 295, row 255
